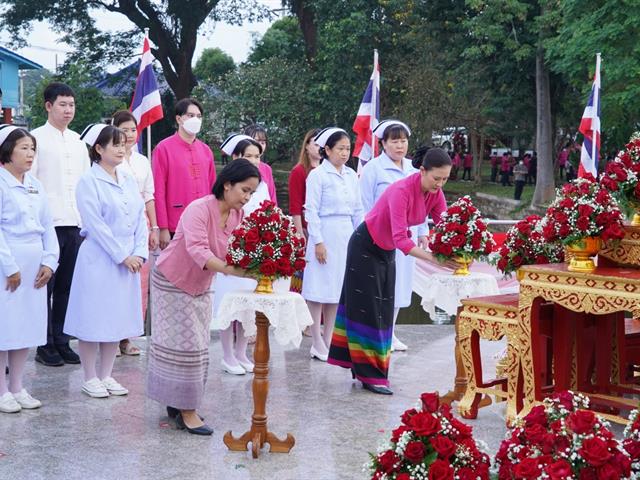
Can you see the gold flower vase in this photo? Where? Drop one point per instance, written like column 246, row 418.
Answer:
column 465, row 263
column 265, row 285
column 582, row 253
column 519, row 275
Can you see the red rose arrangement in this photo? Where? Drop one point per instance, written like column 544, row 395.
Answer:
column 430, row 445
column 561, row 440
column 622, row 174
column 582, row 208
column 461, row 232
column 631, row 442
column 525, row 245
column 266, row 244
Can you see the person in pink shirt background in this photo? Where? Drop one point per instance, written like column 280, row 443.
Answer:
column 183, row 168
column 467, row 164
column 259, row 134
column 563, row 156
column 180, row 299
column 362, row 334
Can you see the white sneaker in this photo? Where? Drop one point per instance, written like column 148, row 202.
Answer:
column 397, row 345
column 113, row 387
column 8, row 404
column 94, row 388
column 26, row 401
column 232, row 369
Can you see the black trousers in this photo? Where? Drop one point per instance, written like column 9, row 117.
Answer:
column 59, row 286
column 519, row 188
column 505, row 179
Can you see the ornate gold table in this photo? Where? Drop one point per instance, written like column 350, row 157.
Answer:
column 604, row 292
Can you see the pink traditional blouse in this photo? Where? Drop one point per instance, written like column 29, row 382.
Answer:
column 182, row 173
column 267, row 177
column 197, row 239
column 402, row 205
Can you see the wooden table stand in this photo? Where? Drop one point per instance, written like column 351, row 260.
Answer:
column 258, row 435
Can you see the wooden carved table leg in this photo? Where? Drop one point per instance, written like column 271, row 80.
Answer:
column 258, row 435
column 460, row 386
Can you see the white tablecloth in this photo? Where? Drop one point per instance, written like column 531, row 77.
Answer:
column 287, row 313
column 445, row 290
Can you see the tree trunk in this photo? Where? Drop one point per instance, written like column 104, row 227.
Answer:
column 478, row 158
column 545, row 186
column 306, row 19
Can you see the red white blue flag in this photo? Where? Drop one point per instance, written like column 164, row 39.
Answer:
column 146, row 105
column 368, row 116
column 590, row 128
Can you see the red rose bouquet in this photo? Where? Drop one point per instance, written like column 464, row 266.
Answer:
column 631, row 442
column 430, row 444
column 560, row 440
column 461, row 232
column 266, row 244
column 582, row 208
column 525, row 245
column 622, row 174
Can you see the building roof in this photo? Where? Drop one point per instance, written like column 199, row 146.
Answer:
column 23, row 63
column 123, row 81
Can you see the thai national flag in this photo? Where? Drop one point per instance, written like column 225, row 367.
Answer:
column 590, row 128
column 368, row 116
column 146, row 105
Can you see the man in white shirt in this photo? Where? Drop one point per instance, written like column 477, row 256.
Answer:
column 61, row 158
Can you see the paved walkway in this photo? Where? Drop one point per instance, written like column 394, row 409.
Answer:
column 334, row 421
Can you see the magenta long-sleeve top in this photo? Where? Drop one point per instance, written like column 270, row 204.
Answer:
column 197, row 239
column 401, row 206
column 182, row 173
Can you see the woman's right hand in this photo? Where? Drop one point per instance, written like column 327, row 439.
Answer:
column 165, row 238
column 133, row 263
column 13, row 282
column 235, row 271
column 321, row 253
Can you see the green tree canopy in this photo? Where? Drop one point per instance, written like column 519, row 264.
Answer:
column 212, row 65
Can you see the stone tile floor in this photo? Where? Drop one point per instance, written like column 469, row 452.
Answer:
column 334, row 421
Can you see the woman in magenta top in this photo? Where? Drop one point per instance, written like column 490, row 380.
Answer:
column 259, row 134
column 180, row 299
column 309, row 159
column 183, row 169
column 362, row 334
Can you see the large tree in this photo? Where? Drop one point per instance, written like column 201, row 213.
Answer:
column 173, row 28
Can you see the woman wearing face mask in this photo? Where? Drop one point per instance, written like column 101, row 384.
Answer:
column 234, row 359
column 28, row 257
column 333, row 209
column 362, row 336
column 137, row 165
column 384, row 170
column 309, row 159
column 183, row 168
column 259, row 134
column 180, row 299
column 105, row 302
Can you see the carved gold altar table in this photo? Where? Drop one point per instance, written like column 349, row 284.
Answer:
column 603, row 293
column 288, row 314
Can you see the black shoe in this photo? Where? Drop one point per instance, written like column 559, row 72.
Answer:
column 49, row 356
column 68, row 355
column 202, row 430
column 379, row 389
column 353, row 373
column 174, row 412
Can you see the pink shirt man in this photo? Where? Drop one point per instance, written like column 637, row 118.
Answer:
column 197, row 239
column 401, row 206
column 182, row 173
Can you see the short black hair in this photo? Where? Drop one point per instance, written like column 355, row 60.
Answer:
column 331, row 142
column 235, row 172
column 57, row 89
column 394, row 132
column 243, row 144
column 122, row 116
column 182, row 106
column 255, row 130
column 107, row 135
column 430, row 158
column 6, row 150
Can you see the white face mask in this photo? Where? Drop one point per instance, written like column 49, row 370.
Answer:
column 192, row 125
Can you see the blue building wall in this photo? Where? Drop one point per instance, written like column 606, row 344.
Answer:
column 10, row 63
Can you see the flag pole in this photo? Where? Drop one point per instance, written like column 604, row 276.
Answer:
column 146, row 35
column 374, row 103
column 596, row 113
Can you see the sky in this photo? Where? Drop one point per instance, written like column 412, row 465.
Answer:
column 46, row 49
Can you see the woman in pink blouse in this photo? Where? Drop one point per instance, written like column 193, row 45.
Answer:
column 180, row 299
column 362, row 334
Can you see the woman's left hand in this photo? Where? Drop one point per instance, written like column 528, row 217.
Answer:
column 423, row 242
column 154, row 239
column 43, row 276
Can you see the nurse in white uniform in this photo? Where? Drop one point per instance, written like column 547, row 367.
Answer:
column 387, row 168
column 28, row 257
column 105, row 303
column 234, row 359
column 333, row 210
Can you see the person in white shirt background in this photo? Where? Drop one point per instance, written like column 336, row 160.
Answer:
column 138, row 166
column 61, row 158
column 105, row 302
column 28, row 257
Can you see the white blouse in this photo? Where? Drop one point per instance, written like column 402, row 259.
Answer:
column 138, row 167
